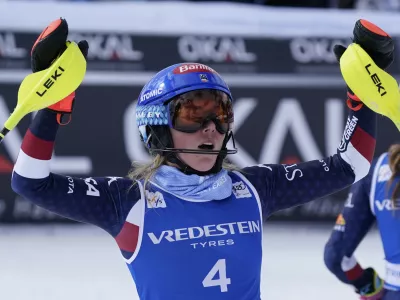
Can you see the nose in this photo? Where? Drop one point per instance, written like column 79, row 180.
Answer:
column 209, row 127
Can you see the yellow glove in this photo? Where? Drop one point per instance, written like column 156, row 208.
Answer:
column 42, row 89
column 376, row 88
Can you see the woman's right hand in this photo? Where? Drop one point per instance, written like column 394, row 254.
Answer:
column 49, row 45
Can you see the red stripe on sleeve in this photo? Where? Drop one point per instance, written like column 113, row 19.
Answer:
column 364, row 143
column 36, row 147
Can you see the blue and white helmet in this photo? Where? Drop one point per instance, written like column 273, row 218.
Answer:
column 172, row 81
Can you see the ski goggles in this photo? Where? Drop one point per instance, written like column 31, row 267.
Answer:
column 190, row 113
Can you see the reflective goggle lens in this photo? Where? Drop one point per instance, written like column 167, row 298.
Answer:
column 192, row 114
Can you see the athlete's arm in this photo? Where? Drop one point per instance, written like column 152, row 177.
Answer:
column 351, row 227
column 104, row 202
column 284, row 186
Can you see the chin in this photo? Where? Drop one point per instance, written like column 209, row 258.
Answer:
column 201, row 163
column 204, row 163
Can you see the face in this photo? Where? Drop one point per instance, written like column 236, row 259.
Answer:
column 205, row 138
column 200, row 119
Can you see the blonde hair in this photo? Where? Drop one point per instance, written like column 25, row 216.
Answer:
column 145, row 171
column 394, row 164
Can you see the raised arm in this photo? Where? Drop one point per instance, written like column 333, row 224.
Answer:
column 284, row 186
column 104, row 202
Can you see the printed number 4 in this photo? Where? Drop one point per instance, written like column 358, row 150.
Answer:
column 92, row 191
column 222, row 281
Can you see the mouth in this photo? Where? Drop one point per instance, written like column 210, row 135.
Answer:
column 206, row 146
